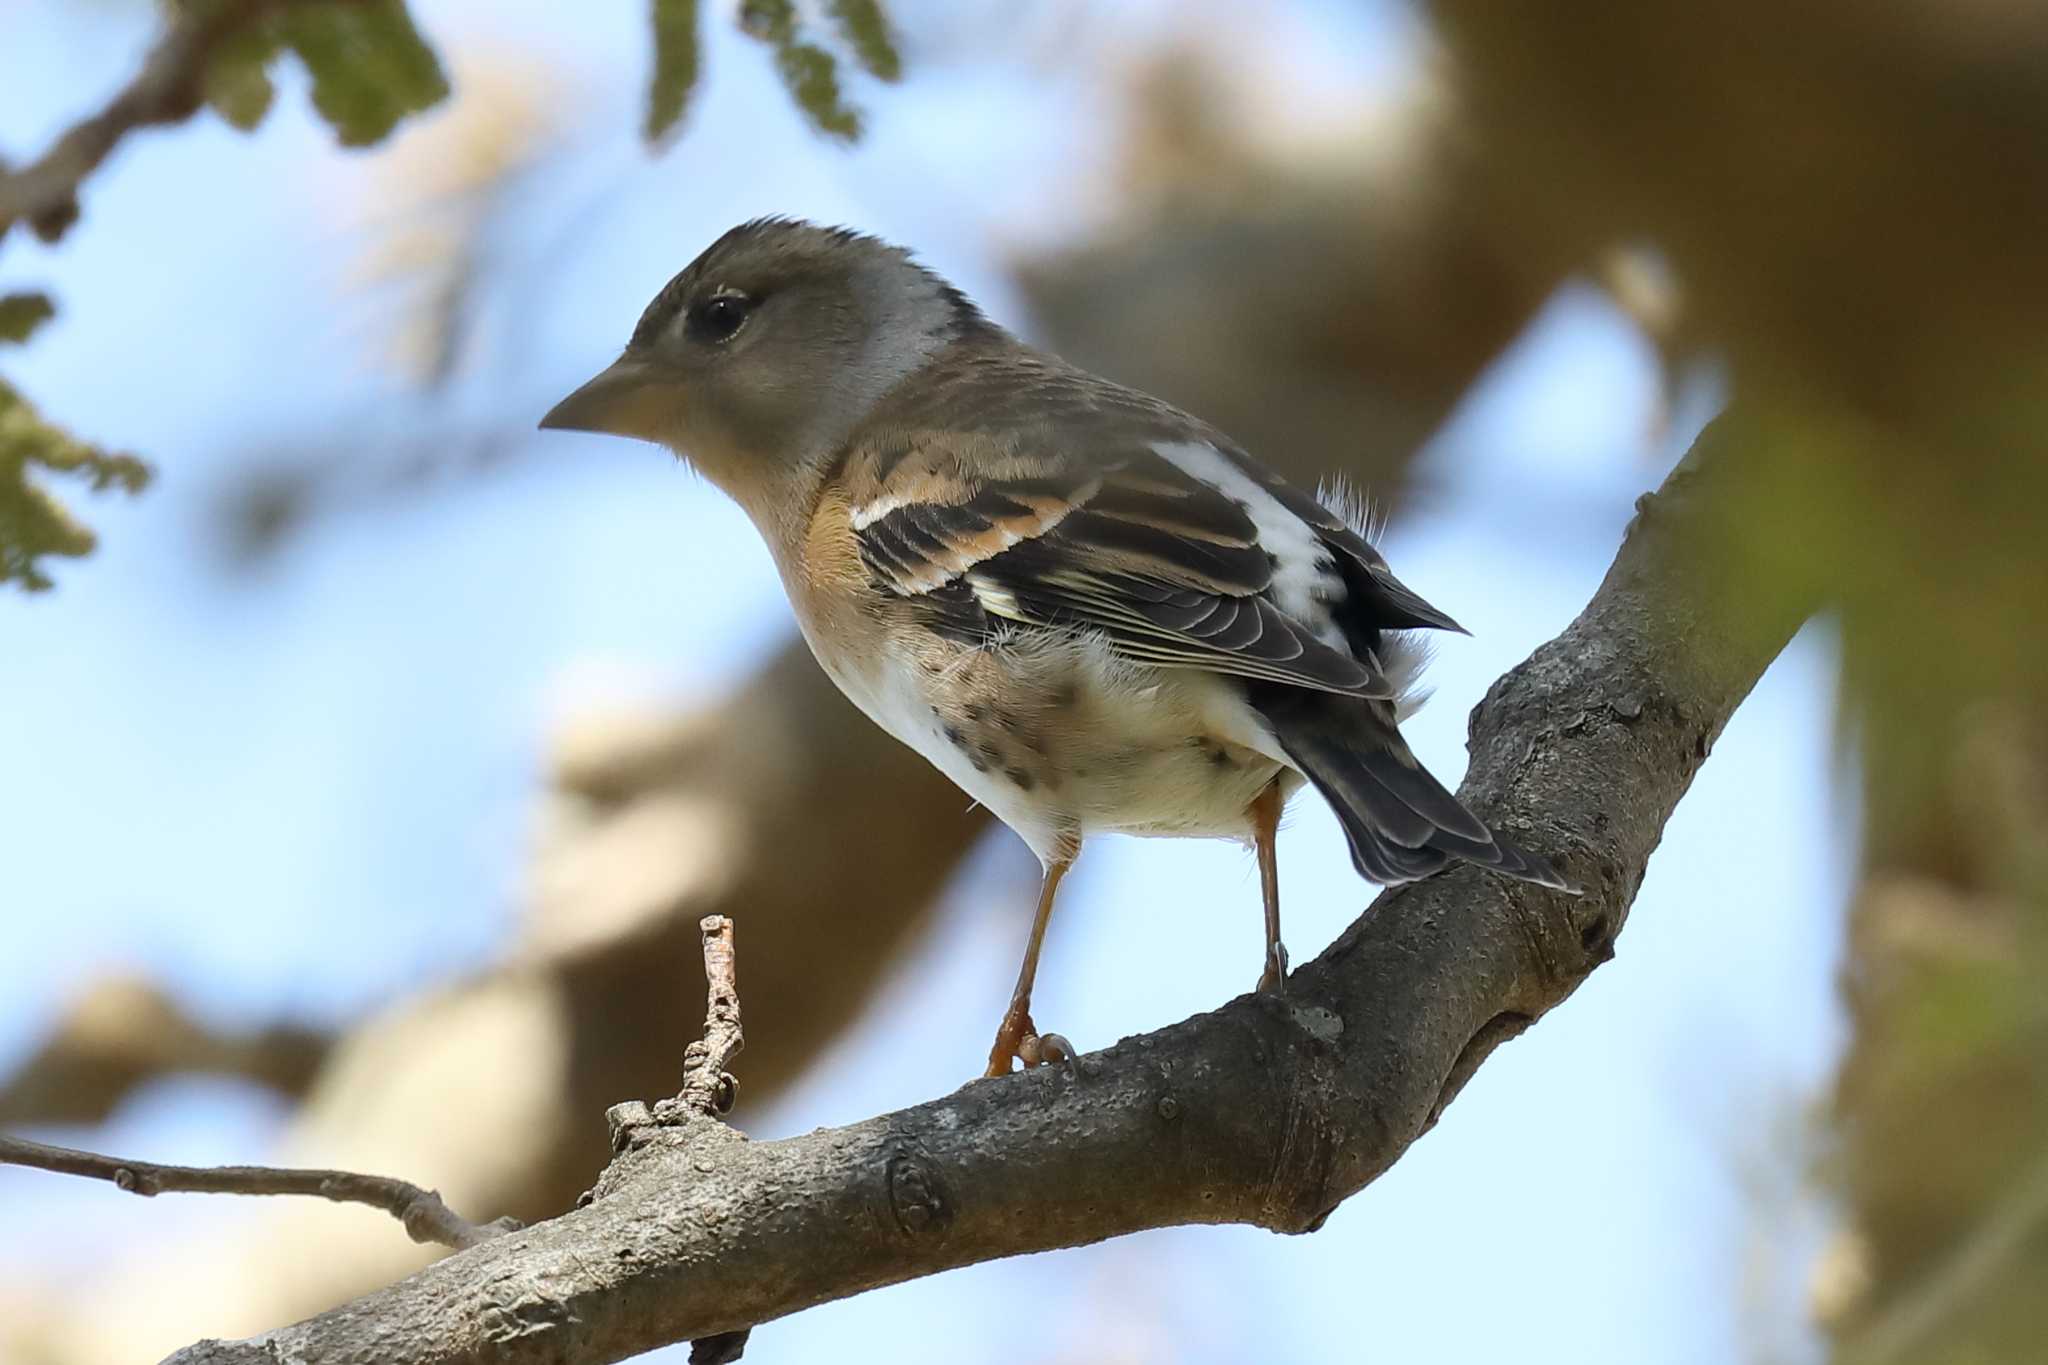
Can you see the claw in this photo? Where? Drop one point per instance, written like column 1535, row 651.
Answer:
column 1019, row 1038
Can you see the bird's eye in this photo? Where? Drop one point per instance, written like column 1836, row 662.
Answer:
column 716, row 319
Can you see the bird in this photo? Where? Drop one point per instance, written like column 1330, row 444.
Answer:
column 1091, row 610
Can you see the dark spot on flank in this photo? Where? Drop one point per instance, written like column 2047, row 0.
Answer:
column 1021, row 777
column 989, row 752
column 1006, row 720
column 1065, row 695
column 956, row 737
column 976, row 711
column 1272, row 560
column 1220, row 757
column 980, row 765
column 1034, row 741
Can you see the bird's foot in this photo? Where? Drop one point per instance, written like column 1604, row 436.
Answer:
column 1019, row 1038
column 1273, row 980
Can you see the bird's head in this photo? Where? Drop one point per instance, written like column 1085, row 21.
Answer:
column 767, row 350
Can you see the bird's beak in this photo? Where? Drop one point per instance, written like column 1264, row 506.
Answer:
column 627, row 398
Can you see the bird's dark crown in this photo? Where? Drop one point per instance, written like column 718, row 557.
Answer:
column 787, row 250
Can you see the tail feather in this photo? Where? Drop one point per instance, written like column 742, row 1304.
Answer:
column 1396, row 771
column 1401, row 822
column 1389, row 864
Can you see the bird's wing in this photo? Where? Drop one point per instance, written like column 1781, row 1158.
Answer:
column 1387, row 602
column 1127, row 542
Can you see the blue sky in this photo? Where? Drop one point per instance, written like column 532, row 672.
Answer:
column 309, row 788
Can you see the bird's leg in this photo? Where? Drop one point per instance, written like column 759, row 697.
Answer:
column 1018, row 1037
column 1265, row 816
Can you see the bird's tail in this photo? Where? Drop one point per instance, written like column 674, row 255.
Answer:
column 1401, row 822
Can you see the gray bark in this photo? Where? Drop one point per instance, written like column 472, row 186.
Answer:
column 1267, row 1112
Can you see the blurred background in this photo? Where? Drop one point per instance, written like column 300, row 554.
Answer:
column 361, row 790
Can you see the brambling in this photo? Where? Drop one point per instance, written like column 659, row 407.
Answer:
column 1092, row 611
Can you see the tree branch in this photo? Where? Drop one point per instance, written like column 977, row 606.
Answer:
column 44, row 193
column 707, row 1092
column 425, row 1216
column 1267, row 1111
column 121, row 1032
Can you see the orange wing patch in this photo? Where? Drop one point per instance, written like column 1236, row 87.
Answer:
column 918, row 542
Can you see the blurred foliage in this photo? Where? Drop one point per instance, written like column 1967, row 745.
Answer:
column 236, row 84
column 1944, row 1094
column 809, row 72
column 443, row 193
column 1932, row 555
column 675, row 65
column 369, row 68
column 368, row 64
column 33, row 524
column 21, row 314
column 1902, row 370
column 1196, row 291
column 866, row 30
column 1845, row 213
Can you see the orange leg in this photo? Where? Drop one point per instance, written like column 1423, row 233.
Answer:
column 1265, row 815
column 1018, row 1037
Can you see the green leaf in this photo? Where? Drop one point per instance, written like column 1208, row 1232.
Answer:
column 675, row 65
column 237, row 81
column 34, row 525
column 866, row 30
column 21, row 314
column 812, row 78
column 808, row 72
column 370, row 67
column 768, row 21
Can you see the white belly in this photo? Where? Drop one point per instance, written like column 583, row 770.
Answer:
column 1060, row 739
column 889, row 693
